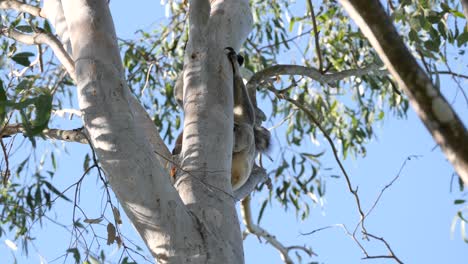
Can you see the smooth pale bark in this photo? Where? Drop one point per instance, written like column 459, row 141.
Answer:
column 136, row 176
column 199, row 224
column 53, row 11
column 437, row 115
column 208, row 126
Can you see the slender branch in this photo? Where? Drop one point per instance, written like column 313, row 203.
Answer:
column 281, row 42
column 450, row 73
column 389, row 184
column 316, row 122
column 20, row 7
column 316, row 34
column 391, row 255
column 43, row 38
column 58, row 134
column 6, row 174
column 260, row 232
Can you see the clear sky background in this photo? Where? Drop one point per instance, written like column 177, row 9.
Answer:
column 414, row 215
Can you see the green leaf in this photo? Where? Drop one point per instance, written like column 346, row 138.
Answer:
column 23, row 85
column 86, row 162
column 24, row 28
column 413, row 36
column 76, row 254
column 291, row 24
column 462, row 38
column 57, row 192
column 445, row 7
column 43, row 111
column 3, row 101
column 52, row 157
column 43, row 106
column 459, row 201
column 125, row 261
column 311, row 156
column 457, row 13
column 460, row 215
column 47, row 27
column 22, row 58
column 262, row 209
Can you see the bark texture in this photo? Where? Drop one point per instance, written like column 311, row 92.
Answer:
column 116, row 126
column 196, row 222
column 437, row 115
column 205, row 186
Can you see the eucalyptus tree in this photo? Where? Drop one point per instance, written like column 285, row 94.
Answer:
column 345, row 80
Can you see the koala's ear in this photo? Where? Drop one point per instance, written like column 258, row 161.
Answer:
column 240, row 59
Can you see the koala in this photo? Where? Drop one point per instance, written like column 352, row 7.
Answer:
column 249, row 138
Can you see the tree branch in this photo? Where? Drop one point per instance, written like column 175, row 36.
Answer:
column 310, row 72
column 450, row 73
column 391, row 255
column 260, row 232
column 53, row 11
column 43, row 38
column 20, row 7
column 438, row 116
column 316, row 35
column 139, row 181
column 52, row 133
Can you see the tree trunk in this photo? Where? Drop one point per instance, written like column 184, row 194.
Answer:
column 465, row 8
column 195, row 222
column 442, row 122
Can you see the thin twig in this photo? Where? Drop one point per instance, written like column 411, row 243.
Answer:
column 363, row 249
column 281, row 42
column 316, row 35
column 147, row 78
column 390, row 184
column 314, row 120
column 450, row 73
column 392, row 254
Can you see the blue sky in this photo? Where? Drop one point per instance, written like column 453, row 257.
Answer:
column 414, row 215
